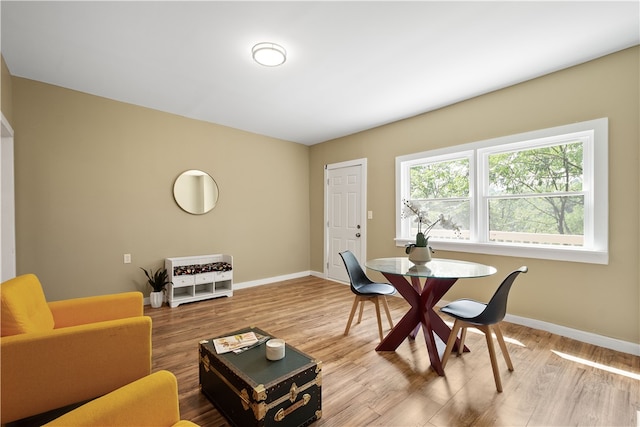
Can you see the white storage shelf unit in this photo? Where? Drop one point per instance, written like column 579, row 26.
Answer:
column 197, row 278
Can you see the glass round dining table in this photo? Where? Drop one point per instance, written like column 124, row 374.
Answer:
column 439, row 275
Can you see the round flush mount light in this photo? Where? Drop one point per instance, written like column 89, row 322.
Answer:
column 269, row 54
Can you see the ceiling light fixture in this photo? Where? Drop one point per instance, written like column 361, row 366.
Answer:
column 269, row 54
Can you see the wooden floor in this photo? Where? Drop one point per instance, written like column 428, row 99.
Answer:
column 361, row 387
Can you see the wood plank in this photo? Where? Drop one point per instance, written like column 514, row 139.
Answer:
column 364, row 387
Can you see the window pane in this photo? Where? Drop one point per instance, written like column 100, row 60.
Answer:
column 455, row 212
column 439, row 180
column 541, row 220
column 552, row 169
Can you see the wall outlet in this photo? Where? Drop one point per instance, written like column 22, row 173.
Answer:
column 127, row 258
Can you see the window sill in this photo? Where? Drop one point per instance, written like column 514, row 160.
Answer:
column 570, row 254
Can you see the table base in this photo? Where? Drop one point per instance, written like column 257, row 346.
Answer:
column 421, row 314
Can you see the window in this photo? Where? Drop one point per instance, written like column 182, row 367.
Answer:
column 540, row 194
column 439, row 185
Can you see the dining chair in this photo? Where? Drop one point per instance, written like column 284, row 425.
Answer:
column 485, row 317
column 366, row 290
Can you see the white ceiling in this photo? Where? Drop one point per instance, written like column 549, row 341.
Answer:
column 351, row 65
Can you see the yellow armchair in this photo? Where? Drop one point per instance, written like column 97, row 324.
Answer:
column 151, row 401
column 65, row 352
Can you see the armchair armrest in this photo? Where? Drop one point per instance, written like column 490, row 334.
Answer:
column 80, row 311
column 149, row 401
column 48, row 370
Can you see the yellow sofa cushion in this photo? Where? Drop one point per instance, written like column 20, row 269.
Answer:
column 151, row 401
column 23, row 307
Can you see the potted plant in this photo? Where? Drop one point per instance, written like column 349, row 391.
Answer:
column 158, row 281
column 420, row 251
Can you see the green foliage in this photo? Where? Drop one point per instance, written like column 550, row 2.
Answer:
column 421, row 240
column 542, row 215
column 529, row 186
column 442, row 187
column 536, row 190
column 157, row 280
column 537, row 171
column 440, row 180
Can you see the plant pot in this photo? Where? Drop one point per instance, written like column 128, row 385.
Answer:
column 156, row 298
column 420, row 255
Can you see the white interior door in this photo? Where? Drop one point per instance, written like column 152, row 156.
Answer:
column 345, row 204
column 7, row 205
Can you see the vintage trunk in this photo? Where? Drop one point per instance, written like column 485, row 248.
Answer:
column 250, row 390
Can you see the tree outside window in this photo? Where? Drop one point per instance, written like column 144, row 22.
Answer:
column 441, row 188
column 535, row 195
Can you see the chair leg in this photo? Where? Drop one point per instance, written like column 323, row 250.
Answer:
column 492, row 355
column 356, row 300
column 463, row 336
column 377, row 304
column 386, row 308
column 488, row 333
column 362, row 300
column 503, row 346
column 453, row 335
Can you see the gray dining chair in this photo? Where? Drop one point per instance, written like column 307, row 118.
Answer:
column 485, row 317
column 366, row 289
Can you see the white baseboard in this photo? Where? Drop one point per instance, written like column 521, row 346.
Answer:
column 266, row 281
column 576, row 334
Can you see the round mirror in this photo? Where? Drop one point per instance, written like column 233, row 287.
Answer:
column 195, row 192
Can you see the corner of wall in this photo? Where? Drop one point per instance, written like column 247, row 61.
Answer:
column 6, row 91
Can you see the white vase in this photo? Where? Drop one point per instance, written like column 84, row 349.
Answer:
column 155, row 298
column 420, row 255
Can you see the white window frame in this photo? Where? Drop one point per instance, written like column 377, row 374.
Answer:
column 595, row 137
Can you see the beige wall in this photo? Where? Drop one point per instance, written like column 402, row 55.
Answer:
column 94, row 181
column 602, row 299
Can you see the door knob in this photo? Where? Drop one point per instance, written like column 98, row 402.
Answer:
column 357, row 234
